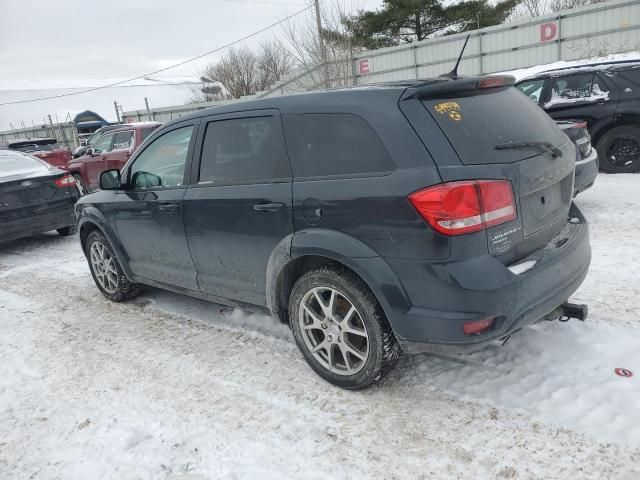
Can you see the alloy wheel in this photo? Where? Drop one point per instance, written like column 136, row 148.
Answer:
column 623, row 151
column 333, row 331
column 104, row 268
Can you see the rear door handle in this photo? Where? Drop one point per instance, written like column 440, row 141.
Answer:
column 168, row 207
column 268, row 207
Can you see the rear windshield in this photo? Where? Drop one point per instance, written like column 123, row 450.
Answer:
column 478, row 121
column 36, row 147
column 15, row 163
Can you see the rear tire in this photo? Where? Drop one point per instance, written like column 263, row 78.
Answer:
column 340, row 328
column 66, row 231
column 80, row 184
column 619, row 150
column 106, row 271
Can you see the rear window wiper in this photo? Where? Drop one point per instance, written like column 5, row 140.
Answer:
column 546, row 146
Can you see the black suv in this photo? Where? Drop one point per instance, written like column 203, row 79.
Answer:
column 607, row 96
column 427, row 216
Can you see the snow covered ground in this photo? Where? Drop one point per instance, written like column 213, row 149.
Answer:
column 167, row 385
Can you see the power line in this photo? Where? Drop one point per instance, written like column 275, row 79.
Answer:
column 163, row 69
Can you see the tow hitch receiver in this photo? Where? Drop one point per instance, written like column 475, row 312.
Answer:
column 569, row 310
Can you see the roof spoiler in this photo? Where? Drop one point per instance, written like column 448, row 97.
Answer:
column 447, row 87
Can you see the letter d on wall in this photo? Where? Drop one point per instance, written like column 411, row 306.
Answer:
column 548, row 31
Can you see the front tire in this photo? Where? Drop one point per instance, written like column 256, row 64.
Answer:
column 106, row 270
column 619, row 150
column 341, row 329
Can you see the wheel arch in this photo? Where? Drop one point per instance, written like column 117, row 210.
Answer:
column 92, row 221
column 318, row 247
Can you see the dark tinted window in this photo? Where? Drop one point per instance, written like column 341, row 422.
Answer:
column 476, row 122
column 629, row 81
column 36, row 147
column 123, row 140
column 146, row 132
column 573, row 86
column 333, row 144
column 243, row 149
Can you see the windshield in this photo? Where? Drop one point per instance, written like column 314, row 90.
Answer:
column 478, row 121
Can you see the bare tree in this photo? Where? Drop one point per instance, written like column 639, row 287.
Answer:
column 274, row 62
column 536, row 8
column 244, row 72
column 303, row 43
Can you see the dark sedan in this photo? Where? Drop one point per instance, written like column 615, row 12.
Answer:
column 35, row 197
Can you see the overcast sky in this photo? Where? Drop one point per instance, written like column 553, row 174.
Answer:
column 121, row 38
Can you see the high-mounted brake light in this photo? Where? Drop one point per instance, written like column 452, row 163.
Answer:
column 65, row 181
column 456, row 208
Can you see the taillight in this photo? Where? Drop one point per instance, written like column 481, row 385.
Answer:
column 478, row 326
column 65, row 181
column 456, row 208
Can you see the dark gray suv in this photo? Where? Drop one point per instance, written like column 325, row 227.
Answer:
column 425, row 216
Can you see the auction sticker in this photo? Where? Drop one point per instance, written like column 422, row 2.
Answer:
column 623, row 372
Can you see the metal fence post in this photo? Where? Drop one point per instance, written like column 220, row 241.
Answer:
column 415, row 60
column 559, row 37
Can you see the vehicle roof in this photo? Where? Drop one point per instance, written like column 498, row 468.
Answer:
column 130, row 126
column 317, row 101
column 613, row 66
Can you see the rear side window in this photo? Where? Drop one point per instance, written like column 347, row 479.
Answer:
column 147, row 131
column 574, row 86
column 123, row 140
column 333, row 144
column 243, row 150
column 476, row 122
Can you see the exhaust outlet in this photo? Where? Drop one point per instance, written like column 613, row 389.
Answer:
column 569, row 310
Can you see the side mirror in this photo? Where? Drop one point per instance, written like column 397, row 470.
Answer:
column 110, row 180
column 89, row 151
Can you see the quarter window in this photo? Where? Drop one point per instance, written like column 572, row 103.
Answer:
column 162, row 163
column 243, row 150
column 333, row 144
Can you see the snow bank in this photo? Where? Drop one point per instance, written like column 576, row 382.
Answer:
column 531, row 71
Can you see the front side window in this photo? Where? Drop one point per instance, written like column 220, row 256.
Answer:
column 162, row 163
column 334, row 144
column 123, row 140
column 532, row 89
column 103, row 145
column 243, row 150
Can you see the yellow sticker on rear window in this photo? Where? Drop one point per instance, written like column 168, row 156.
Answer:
column 452, row 109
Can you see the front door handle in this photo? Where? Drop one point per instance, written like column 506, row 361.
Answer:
column 168, row 207
column 268, row 207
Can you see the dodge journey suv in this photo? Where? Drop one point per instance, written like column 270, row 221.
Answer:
column 427, row 216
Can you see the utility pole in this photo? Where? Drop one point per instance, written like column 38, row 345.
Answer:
column 146, row 102
column 115, row 105
column 323, row 50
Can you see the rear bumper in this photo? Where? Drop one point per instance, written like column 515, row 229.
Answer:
column 444, row 296
column 37, row 222
column 586, row 172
